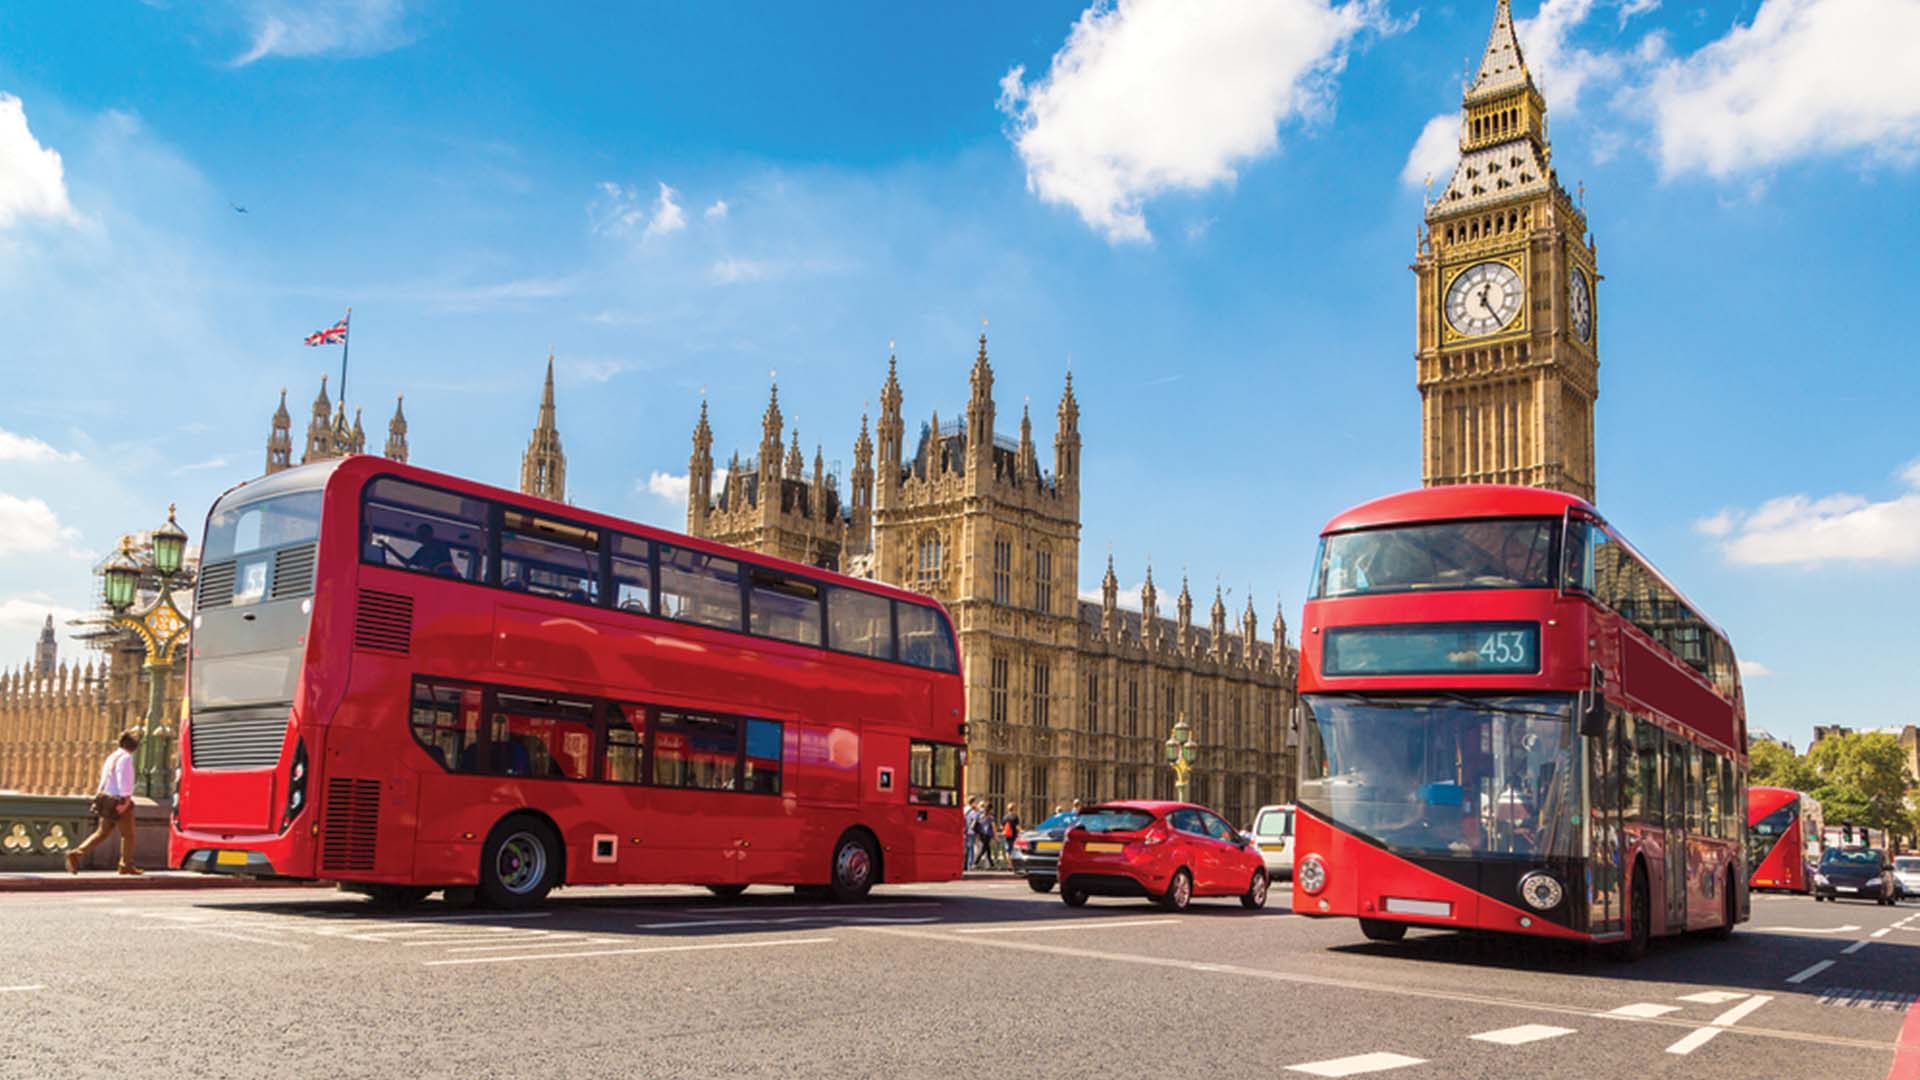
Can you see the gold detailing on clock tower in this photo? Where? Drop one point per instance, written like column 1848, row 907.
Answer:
column 1507, row 359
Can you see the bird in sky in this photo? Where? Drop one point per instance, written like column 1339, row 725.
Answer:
column 237, row 208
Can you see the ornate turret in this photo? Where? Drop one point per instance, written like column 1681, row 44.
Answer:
column 1029, row 465
column 1249, row 630
column 700, row 475
column 1109, row 601
column 1183, row 629
column 796, row 464
column 980, row 413
column 320, row 428
column 1066, row 443
column 357, row 441
column 543, row 469
column 280, row 439
column 1217, row 625
column 890, row 430
column 1282, row 660
column 860, row 534
column 1149, row 611
column 771, row 424
column 397, row 431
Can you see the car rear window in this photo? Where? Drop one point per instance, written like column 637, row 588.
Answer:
column 1273, row 825
column 1906, row 864
column 1112, row 821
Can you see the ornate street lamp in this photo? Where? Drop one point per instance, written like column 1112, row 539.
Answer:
column 1181, row 750
column 161, row 628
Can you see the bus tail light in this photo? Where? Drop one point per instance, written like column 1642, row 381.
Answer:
column 1312, row 874
column 297, row 784
column 1541, row 891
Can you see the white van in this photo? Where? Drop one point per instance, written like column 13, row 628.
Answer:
column 1273, row 833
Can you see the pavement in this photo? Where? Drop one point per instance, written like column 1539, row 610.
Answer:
column 980, row 977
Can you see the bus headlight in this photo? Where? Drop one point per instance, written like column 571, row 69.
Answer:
column 1541, row 891
column 1312, row 874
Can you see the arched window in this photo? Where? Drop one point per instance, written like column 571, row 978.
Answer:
column 1043, row 580
column 929, row 573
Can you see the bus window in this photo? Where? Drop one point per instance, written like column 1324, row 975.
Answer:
column 1696, row 790
column 421, row 529
column 632, row 574
column 1710, row 795
column 1646, row 742
column 933, row 773
column 1577, row 567
column 626, row 743
column 446, row 722
column 549, row 558
column 693, row 751
column 924, row 640
column 1676, row 784
column 859, row 623
column 763, row 758
column 542, row 737
column 787, row 608
column 699, row 588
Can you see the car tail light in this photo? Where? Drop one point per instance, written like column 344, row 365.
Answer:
column 1154, row 835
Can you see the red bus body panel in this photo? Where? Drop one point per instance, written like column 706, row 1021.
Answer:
column 1784, row 866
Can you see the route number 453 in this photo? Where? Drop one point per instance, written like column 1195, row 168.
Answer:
column 1505, row 648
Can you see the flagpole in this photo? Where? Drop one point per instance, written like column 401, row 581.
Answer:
column 346, row 342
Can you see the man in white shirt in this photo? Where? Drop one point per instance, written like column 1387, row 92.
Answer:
column 113, row 805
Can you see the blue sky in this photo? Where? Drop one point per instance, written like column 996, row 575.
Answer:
column 1209, row 208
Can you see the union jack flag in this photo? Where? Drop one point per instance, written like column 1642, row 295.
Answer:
column 332, row 335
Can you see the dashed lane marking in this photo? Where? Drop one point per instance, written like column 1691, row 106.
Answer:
column 1378, row 1061
column 1694, row 1041
column 1642, row 1010
column 1809, row 972
column 701, row 924
column 1854, row 948
column 21, row 989
column 548, row 944
column 1039, row 927
column 1883, row 932
column 1525, row 1033
column 1848, row 929
column 1712, row 997
column 630, row 952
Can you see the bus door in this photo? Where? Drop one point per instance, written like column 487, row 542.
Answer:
column 1675, row 844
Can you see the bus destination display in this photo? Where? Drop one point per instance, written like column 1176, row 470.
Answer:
column 1436, row 649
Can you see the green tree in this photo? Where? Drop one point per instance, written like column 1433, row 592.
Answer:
column 1769, row 764
column 1862, row 780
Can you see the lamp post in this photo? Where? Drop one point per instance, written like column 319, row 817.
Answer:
column 1181, row 750
column 161, row 628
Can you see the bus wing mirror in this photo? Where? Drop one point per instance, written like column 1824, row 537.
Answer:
column 1592, row 706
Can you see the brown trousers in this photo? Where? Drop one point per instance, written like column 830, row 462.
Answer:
column 123, row 823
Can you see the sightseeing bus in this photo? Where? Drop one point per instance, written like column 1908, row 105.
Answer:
column 1511, row 722
column 1784, row 833
column 403, row 681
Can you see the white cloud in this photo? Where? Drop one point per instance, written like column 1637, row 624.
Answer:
column 202, row 466
column 26, row 448
column 30, row 525
column 1636, row 7
column 733, row 271
column 670, row 487
column 1799, row 530
column 1128, row 596
column 1807, row 77
column 668, row 217
column 314, row 27
column 1152, row 96
column 1754, row 669
column 718, row 211
column 32, row 179
column 1562, row 70
column 22, row 617
column 1435, row 153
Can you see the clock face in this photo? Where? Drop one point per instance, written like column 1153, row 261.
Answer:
column 1484, row 298
column 1581, row 301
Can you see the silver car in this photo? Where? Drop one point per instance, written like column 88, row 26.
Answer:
column 1906, row 875
column 1273, row 834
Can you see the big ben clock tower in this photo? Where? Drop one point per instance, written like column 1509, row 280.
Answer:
column 1507, row 359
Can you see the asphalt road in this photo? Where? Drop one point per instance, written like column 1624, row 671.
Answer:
column 971, row 979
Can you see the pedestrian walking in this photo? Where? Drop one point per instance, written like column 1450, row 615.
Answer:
column 113, row 805
column 983, row 836
column 1010, row 829
column 972, row 821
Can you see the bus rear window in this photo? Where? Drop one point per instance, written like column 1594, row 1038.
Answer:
column 925, row 640
column 292, row 518
column 1499, row 553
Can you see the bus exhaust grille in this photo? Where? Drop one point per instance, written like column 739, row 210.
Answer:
column 216, row 585
column 383, row 622
column 240, row 740
column 352, row 825
column 293, row 571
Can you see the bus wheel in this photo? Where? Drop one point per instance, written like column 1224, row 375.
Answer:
column 395, row 897
column 1382, row 930
column 1639, row 913
column 854, row 868
column 726, row 891
column 519, row 863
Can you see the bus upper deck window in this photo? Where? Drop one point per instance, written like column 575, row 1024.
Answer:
column 421, row 529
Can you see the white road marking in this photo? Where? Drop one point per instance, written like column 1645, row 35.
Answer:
column 547, row 944
column 21, row 989
column 1712, row 997
column 631, row 952
column 1094, row 924
column 1883, row 931
column 1642, row 1010
column 1854, row 948
column 1848, row 929
column 1525, row 1033
column 1725, row 1020
column 836, row 920
column 210, row 932
column 1377, row 1061
column 524, row 939
column 771, row 909
column 1810, row 972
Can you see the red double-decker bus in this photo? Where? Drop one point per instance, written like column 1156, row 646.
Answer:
column 407, row 681
column 1511, row 722
column 1784, row 830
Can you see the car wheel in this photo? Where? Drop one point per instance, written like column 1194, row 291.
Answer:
column 1179, row 891
column 1639, row 921
column 725, row 891
column 1255, row 897
column 1382, row 930
column 1073, row 897
column 855, row 867
column 519, row 864
column 1040, row 884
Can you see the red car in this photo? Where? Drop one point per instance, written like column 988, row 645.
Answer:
column 1169, row 852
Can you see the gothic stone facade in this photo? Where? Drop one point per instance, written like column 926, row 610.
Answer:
column 1507, row 360
column 1066, row 699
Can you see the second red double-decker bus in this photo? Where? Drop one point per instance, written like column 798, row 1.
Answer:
column 1511, row 722
column 406, row 681
column 1783, row 838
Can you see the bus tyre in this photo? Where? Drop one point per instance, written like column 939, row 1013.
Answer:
column 1639, row 914
column 519, row 863
column 394, row 897
column 855, row 866
column 1040, row 884
column 1179, row 891
column 1073, row 897
column 1255, row 897
column 727, row 892
column 1382, row 930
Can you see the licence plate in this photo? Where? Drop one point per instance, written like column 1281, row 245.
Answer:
column 1282, row 846
column 1047, row 845
column 231, row 858
column 1106, row 848
column 1845, row 888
